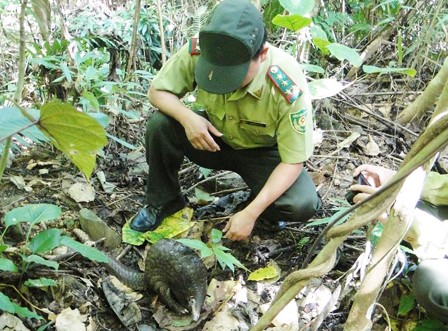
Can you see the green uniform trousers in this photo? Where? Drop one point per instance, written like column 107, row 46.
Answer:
column 167, row 145
column 430, row 283
column 430, row 279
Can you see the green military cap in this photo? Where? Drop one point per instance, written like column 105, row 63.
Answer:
column 228, row 42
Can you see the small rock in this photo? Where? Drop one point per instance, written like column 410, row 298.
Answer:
column 97, row 229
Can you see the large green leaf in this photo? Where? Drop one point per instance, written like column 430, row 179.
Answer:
column 89, row 96
column 311, row 68
column 226, row 259
column 376, row 70
column 324, row 88
column 7, row 265
column 322, row 45
column 203, row 249
column 76, row 134
column 45, row 241
column 271, row 271
column 216, row 235
column 170, row 227
column 25, row 312
column 120, row 141
column 342, row 52
column 40, row 260
column 33, row 213
column 6, row 304
column 86, row 251
column 102, row 118
column 12, row 121
column 41, row 282
column 327, row 220
column 317, row 32
column 291, row 22
column 301, row 7
column 406, row 304
column 3, row 247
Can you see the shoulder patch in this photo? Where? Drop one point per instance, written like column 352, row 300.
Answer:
column 193, row 46
column 298, row 121
column 285, row 84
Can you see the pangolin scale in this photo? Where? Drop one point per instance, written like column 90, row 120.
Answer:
column 172, row 270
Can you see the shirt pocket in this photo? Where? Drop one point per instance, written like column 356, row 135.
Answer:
column 258, row 132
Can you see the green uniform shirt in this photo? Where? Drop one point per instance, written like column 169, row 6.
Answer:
column 435, row 190
column 258, row 115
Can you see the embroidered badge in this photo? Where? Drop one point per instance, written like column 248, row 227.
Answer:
column 193, row 46
column 286, row 86
column 298, row 121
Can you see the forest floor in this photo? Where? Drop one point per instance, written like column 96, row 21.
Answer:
column 346, row 138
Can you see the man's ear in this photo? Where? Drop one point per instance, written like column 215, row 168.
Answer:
column 264, row 53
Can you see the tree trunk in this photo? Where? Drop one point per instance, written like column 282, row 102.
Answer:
column 42, row 10
column 162, row 32
column 426, row 100
column 133, row 50
column 22, row 64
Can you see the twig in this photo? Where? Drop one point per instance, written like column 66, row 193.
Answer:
column 206, row 180
column 388, row 93
column 385, row 314
column 187, row 169
column 281, row 250
column 385, row 121
column 334, row 157
column 231, row 190
column 123, row 252
column 121, row 199
column 354, row 248
column 4, row 157
column 218, row 219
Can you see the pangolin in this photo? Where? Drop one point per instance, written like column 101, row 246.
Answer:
column 172, row 270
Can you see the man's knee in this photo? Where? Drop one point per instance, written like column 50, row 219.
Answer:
column 306, row 207
column 301, row 209
column 157, row 121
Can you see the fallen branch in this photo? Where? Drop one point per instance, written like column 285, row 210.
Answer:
column 426, row 100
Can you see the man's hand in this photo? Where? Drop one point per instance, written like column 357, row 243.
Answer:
column 376, row 176
column 239, row 226
column 363, row 192
column 198, row 130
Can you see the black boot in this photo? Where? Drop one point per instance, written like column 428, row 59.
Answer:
column 149, row 218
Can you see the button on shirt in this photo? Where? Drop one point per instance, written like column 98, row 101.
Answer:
column 257, row 115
